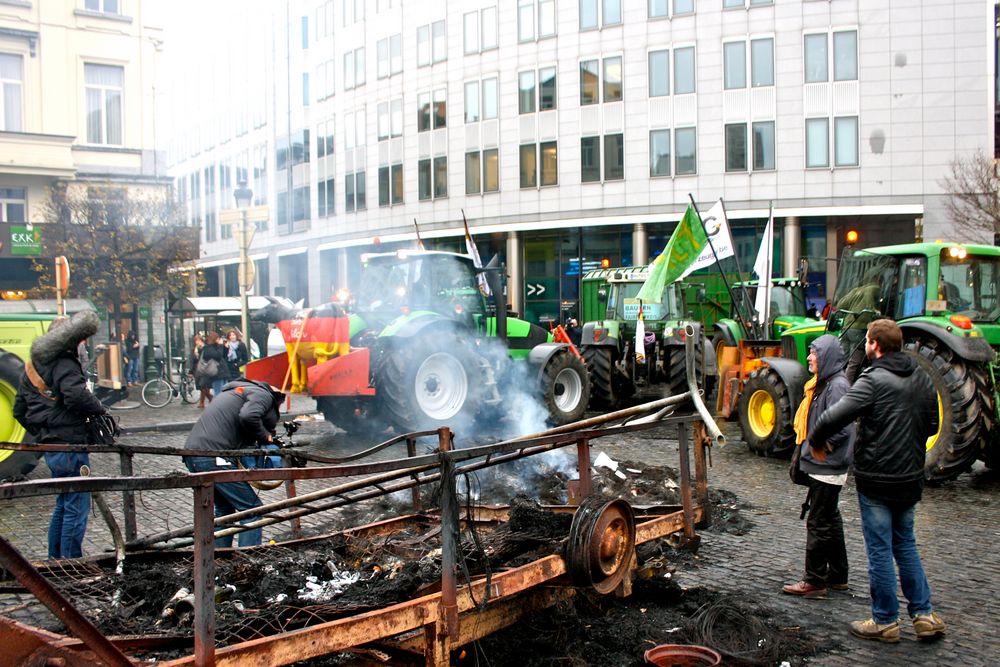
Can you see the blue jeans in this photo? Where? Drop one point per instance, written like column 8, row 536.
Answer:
column 230, row 497
column 888, row 532
column 72, row 510
column 217, row 385
column 132, row 370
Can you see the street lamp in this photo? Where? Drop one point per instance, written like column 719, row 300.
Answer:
column 244, row 196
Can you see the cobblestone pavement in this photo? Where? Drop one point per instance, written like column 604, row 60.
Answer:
column 957, row 533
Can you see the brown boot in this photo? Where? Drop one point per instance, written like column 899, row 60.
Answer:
column 869, row 629
column 805, row 589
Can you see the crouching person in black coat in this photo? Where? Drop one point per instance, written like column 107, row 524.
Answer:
column 53, row 404
column 243, row 416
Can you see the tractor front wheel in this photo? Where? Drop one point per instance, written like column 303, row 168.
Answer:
column 565, row 387
column 766, row 414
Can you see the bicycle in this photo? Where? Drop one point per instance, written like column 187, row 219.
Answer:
column 159, row 391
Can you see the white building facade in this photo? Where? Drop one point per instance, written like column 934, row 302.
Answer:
column 571, row 132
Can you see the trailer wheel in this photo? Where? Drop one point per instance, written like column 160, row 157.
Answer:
column 962, row 410
column 12, row 464
column 766, row 414
column 565, row 387
column 430, row 383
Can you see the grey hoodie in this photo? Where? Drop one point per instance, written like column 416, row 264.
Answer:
column 831, row 385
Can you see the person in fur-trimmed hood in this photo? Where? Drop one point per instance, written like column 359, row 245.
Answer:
column 53, row 404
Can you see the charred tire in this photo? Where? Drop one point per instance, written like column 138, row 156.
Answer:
column 354, row 416
column 12, row 464
column 565, row 388
column 963, row 410
column 429, row 383
column 600, row 364
column 766, row 414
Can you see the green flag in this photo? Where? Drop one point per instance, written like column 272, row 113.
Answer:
column 683, row 248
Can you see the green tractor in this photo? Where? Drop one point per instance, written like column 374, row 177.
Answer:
column 788, row 309
column 608, row 340
column 17, row 331
column 946, row 299
column 430, row 344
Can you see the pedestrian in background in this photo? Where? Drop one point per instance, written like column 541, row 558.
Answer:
column 896, row 408
column 204, row 385
column 824, row 471
column 215, row 351
column 243, row 416
column 132, row 354
column 236, row 354
column 53, row 404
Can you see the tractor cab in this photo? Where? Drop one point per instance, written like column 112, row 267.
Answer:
column 622, row 302
column 787, row 307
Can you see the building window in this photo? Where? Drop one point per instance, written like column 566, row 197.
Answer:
column 104, row 84
column 439, row 49
column 686, row 149
column 845, row 55
column 734, row 59
column 482, row 171
column 761, row 62
column 816, row 53
column 817, row 142
column 684, row 77
column 325, row 78
column 431, row 46
column 11, row 77
column 354, row 68
column 659, row 152
column 103, row 6
column 324, row 138
column 659, row 73
column 763, row 146
column 480, row 30
column 736, row 147
column 539, row 158
column 532, row 14
column 389, row 54
column 423, row 46
column 740, row 4
column 816, row 58
column 608, row 12
column 845, row 132
column 590, row 158
column 432, row 178
column 390, row 185
column 481, row 107
column 590, row 81
column 541, row 97
column 657, row 9
column 13, row 204
column 305, row 89
column 354, row 191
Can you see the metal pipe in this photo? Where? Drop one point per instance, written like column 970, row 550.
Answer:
column 449, row 537
column 685, row 475
column 699, row 404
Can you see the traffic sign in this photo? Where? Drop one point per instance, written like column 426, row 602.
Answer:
column 233, row 216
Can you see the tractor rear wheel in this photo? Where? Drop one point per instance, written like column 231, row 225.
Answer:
column 430, row 383
column 678, row 370
column 962, row 409
column 608, row 385
column 565, row 387
column 12, row 464
column 766, row 414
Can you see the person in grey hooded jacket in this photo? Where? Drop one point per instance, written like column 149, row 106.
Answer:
column 825, row 469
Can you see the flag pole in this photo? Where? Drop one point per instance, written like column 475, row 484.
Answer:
column 743, row 293
column 770, row 269
column 420, row 241
column 739, row 313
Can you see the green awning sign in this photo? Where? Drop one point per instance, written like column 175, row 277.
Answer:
column 24, row 241
column 143, row 313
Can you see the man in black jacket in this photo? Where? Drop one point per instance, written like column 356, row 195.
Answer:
column 896, row 408
column 243, row 416
column 53, row 404
column 825, row 470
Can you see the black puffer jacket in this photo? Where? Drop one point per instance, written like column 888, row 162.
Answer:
column 62, row 416
column 896, row 407
column 242, row 416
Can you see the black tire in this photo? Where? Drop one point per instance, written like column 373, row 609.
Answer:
column 565, row 387
column 677, row 380
column 429, row 383
column 355, row 416
column 963, row 410
column 12, row 464
column 766, row 414
column 157, row 393
column 608, row 385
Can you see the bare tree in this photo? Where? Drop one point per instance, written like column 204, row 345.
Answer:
column 123, row 244
column 974, row 204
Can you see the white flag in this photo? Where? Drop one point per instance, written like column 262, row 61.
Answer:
column 720, row 239
column 640, row 338
column 762, row 267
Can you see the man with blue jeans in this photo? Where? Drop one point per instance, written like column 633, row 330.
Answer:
column 243, row 416
column 896, row 408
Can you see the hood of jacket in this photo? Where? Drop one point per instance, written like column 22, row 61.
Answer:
column 829, row 356
column 276, row 395
column 896, row 363
column 64, row 335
